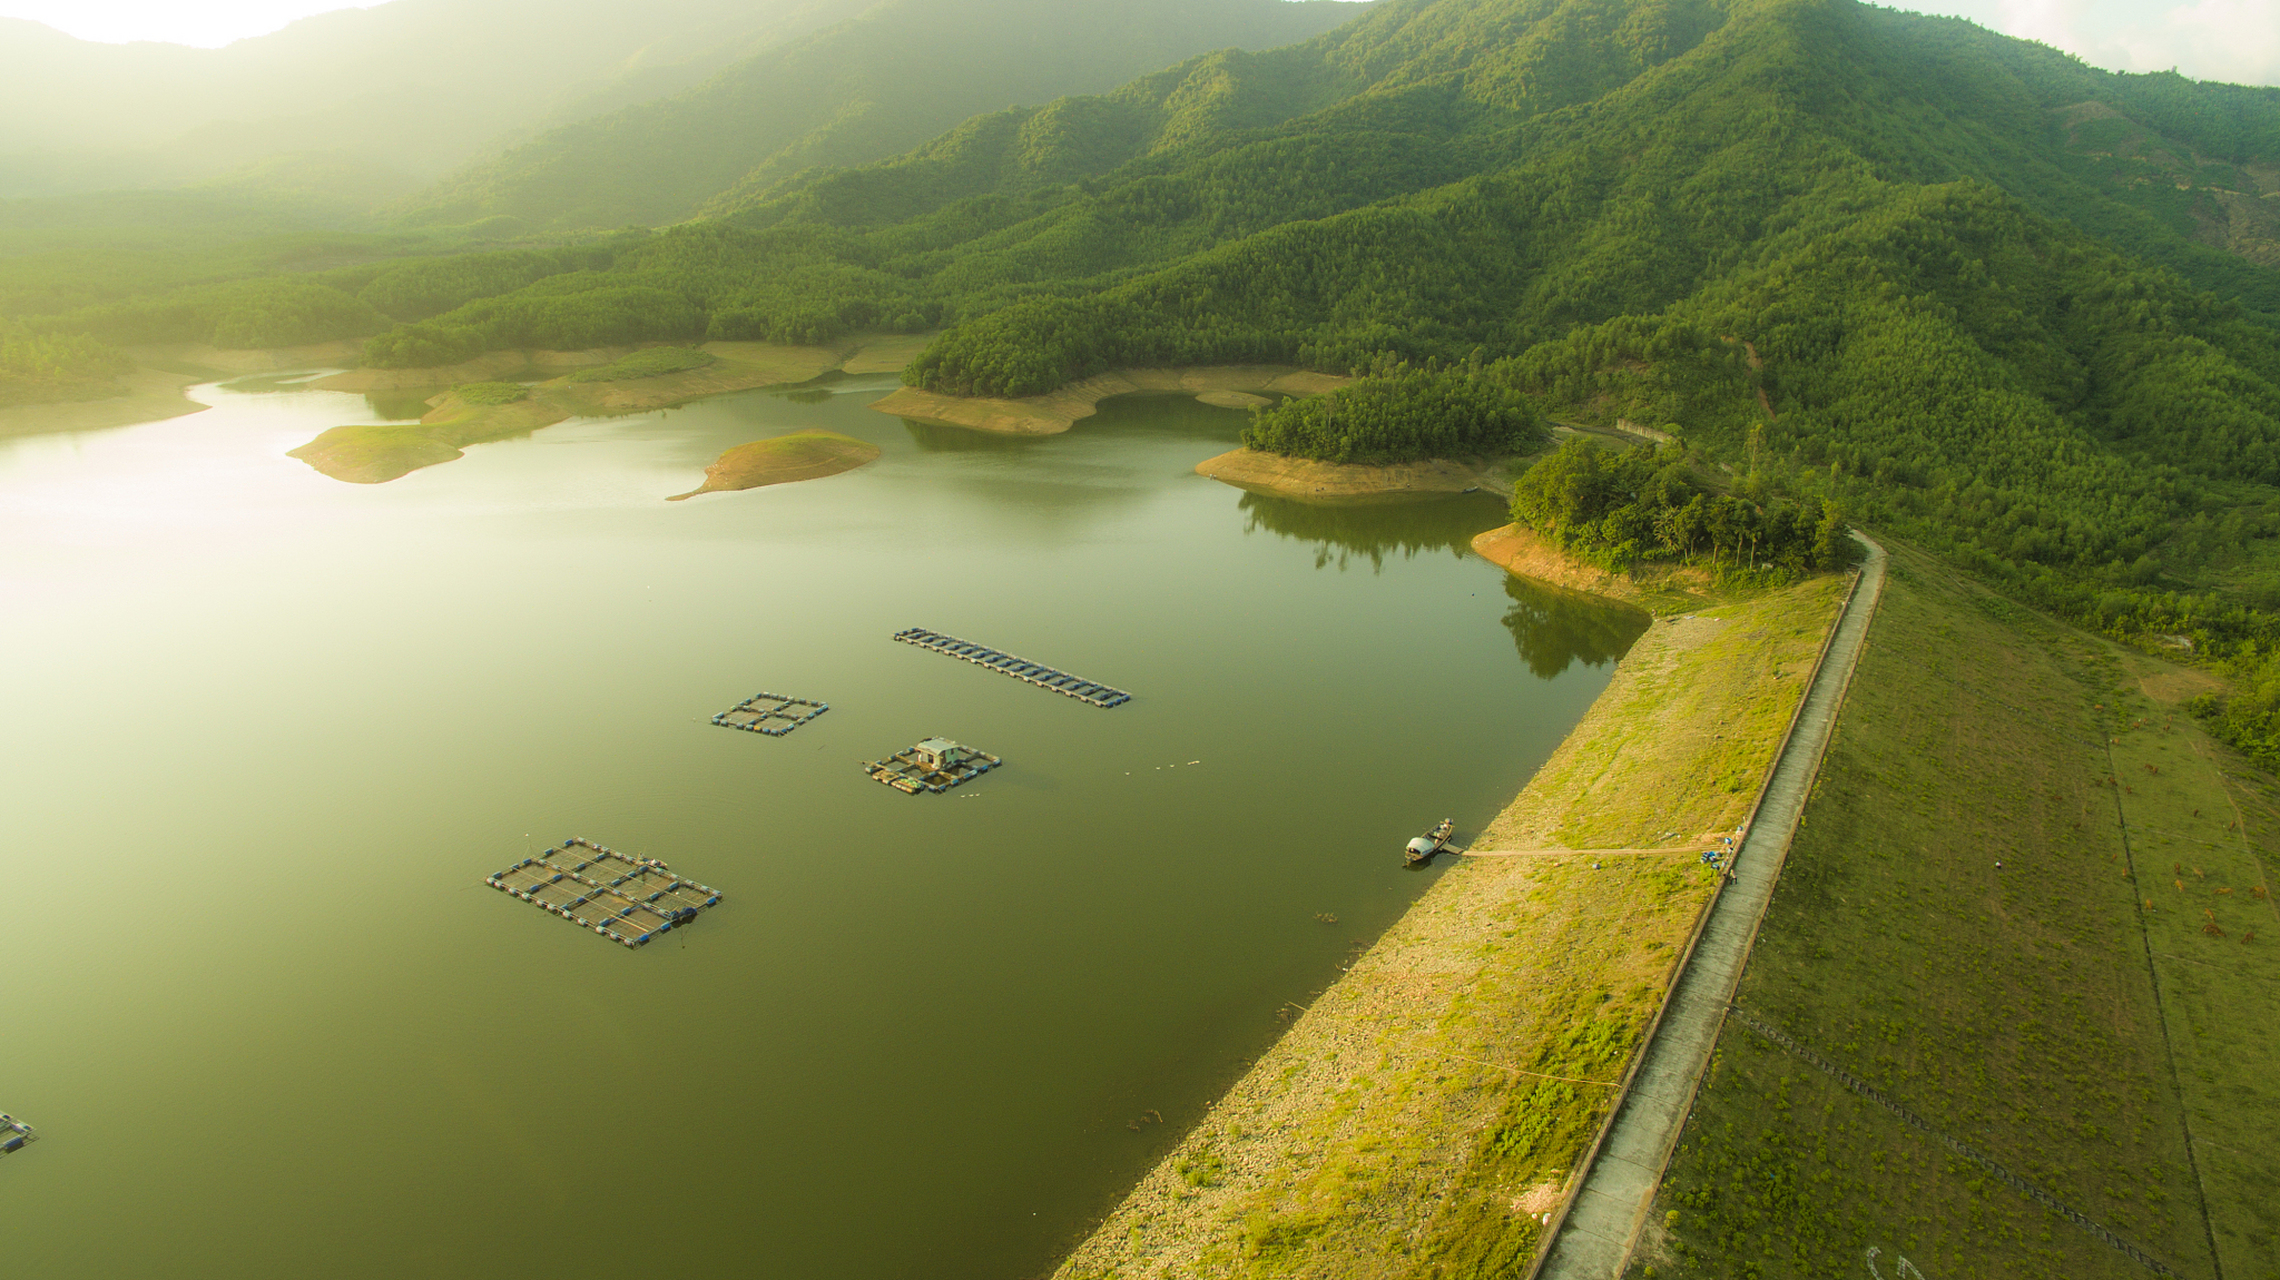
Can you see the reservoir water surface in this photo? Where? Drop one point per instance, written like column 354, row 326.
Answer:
column 266, row 733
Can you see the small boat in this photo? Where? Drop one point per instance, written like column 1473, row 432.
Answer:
column 14, row 1134
column 1432, row 842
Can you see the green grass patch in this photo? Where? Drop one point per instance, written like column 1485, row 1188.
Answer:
column 1679, row 744
column 488, row 393
column 653, row 362
column 2202, row 829
column 2014, row 1007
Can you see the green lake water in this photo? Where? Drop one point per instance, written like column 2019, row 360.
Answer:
column 267, row 733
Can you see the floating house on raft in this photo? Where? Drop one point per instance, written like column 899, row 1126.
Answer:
column 941, row 754
column 934, row 765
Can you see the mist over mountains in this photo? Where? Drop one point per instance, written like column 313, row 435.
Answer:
column 359, row 107
column 902, row 72
column 2018, row 308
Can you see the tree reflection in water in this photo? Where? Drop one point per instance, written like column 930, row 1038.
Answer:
column 1552, row 628
column 1345, row 533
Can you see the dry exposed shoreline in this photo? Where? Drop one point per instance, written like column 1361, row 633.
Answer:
column 1229, row 386
column 1661, row 588
column 146, row 395
column 152, row 391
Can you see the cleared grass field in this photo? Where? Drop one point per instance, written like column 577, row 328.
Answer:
column 1425, row 1111
column 1966, row 923
column 2202, row 827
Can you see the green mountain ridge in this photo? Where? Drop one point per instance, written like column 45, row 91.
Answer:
column 895, row 76
column 2002, row 303
column 1999, row 301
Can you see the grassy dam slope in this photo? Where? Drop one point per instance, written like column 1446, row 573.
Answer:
column 2031, row 905
column 1428, row 1114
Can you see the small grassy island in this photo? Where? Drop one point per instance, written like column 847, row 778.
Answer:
column 801, row 455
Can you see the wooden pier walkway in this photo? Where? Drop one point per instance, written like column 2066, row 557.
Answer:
column 625, row 899
column 1036, row 673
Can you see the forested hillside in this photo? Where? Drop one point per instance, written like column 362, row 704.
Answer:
column 44, row 367
column 901, row 73
column 2014, row 307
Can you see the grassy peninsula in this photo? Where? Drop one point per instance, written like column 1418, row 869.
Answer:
column 1430, row 1105
column 1311, row 481
column 1398, row 430
column 798, row 455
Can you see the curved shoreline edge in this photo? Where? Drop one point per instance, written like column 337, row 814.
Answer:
column 152, row 391
column 1228, row 386
column 379, row 453
column 149, row 395
column 1436, row 1102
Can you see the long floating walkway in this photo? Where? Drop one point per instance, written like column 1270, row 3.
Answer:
column 1044, row 677
column 625, row 899
column 1602, row 1223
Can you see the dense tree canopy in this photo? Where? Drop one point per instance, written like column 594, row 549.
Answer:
column 1401, row 414
column 1644, row 504
column 37, row 367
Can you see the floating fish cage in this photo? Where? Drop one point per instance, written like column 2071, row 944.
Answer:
column 1044, row 677
column 770, row 713
column 14, row 1134
column 935, row 765
column 623, row 898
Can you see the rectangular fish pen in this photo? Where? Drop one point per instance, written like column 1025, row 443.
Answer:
column 626, row 899
column 14, row 1134
column 935, row 765
column 771, row 713
column 1036, row 673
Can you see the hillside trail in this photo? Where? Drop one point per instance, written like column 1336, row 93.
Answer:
column 1595, row 1236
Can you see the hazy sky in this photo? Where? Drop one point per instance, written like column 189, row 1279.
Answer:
column 2236, row 40
column 202, row 22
